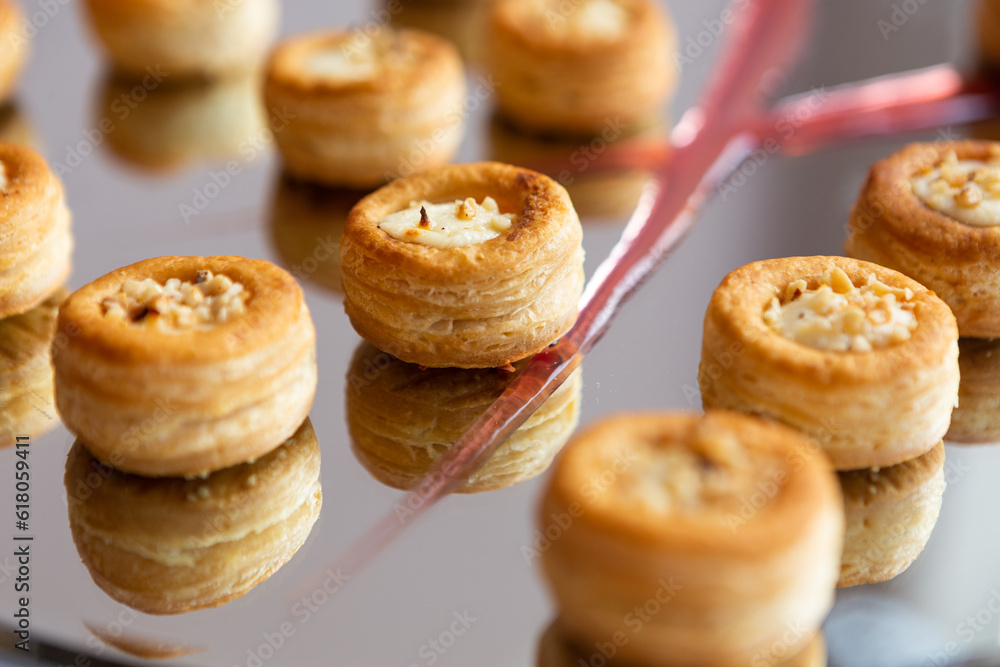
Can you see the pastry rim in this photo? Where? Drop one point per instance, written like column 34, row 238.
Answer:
column 737, row 308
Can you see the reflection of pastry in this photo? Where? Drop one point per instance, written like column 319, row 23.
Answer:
column 859, row 357
column 35, row 240
column 364, row 108
column 460, row 21
column 489, row 275
column 184, row 39
column 307, row 221
column 26, row 405
column 183, row 365
column 576, row 67
column 890, row 515
column 178, row 123
column 554, row 650
column 976, row 419
column 712, row 534
column 402, row 419
column 169, row 546
column 596, row 193
column 932, row 211
column 13, row 46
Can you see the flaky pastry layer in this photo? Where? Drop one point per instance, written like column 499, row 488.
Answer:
column 478, row 306
column 891, row 226
column 866, row 409
column 976, row 419
column 159, row 403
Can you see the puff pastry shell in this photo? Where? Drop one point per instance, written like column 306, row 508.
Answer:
column 160, row 403
column 714, row 532
column 390, row 104
column 866, row 409
column 556, row 75
column 13, row 46
column 891, row 226
column 184, row 38
column 170, row 546
column 35, row 239
column 890, row 513
column 402, row 419
column 478, row 306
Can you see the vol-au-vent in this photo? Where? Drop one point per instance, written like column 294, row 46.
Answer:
column 931, row 212
column 184, row 365
column 488, row 277
column 859, row 357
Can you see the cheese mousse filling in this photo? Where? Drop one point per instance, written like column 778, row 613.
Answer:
column 454, row 225
column 838, row 316
column 965, row 190
column 176, row 305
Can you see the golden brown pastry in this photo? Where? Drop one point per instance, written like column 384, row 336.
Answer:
column 890, row 513
column 932, row 212
column 403, row 418
column 13, row 46
column 489, row 273
column 181, row 38
column 26, row 402
column 988, row 31
column 35, row 239
column 596, row 193
column 859, row 357
column 576, row 68
column 709, row 534
column 362, row 109
column 184, row 365
column 554, row 650
column 170, row 546
column 307, row 221
column 178, row 123
column 976, row 419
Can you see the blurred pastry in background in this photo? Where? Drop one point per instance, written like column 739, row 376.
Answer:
column 488, row 274
column 976, row 418
column 175, row 40
column 13, row 46
column 35, row 238
column 858, row 357
column 184, row 365
column 366, row 107
column 402, row 418
column 685, row 539
column 554, row 650
column 576, row 165
column 462, row 22
column 932, row 212
column 987, row 18
column 171, row 546
column 306, row 223
column 169, row 126
column 27, row 407
column 573, row 68
column 890, row 513
column 15, row 128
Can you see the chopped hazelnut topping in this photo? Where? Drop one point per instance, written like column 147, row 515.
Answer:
column 454, row 225
column 966, row 190
column 839, row 316
column 177, row 306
